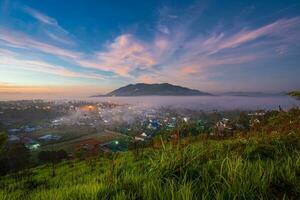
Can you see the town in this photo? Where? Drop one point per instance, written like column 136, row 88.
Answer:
column 76, row 125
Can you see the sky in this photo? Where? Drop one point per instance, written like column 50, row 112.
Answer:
column 86, row 47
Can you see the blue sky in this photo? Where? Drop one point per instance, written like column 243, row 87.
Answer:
column 88, row 47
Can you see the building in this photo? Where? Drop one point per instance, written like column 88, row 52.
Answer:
column 13, row 138
column 49, row 137
column 153, row 124
column 33, row 146
column 222, row 127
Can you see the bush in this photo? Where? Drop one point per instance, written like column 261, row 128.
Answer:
column 52, row 156
column 32, row 184
column 282, row 188
column 259, row 151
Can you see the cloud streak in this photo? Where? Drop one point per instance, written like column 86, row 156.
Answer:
column 10, row 60
column 20, row 40
column 42, row 18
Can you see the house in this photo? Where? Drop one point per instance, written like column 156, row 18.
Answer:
column 254, row 123
column 13, row 138
column 14, row 130
column 185, row 119
column 222, row 127
column 49, row 137
column 153, row 124
column 57, row 122
column 171, row 125
column 137, row 138
column 257, row 113
column 142, row 137
column 29, row 129
column 33, row 145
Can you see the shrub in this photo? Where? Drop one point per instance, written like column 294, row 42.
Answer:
column 259, row 151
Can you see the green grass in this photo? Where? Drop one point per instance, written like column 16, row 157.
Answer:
column 257, row 167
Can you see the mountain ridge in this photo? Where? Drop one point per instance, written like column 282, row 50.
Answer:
column 156, row 89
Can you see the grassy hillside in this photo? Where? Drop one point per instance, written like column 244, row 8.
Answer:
column 252, row 167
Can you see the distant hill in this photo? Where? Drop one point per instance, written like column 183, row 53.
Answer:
column 253, row 94
column 164, row 89
column 295, row 94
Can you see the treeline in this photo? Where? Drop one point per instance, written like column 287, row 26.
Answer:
column 15, row 157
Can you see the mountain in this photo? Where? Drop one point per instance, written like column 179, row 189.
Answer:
column 164, row 89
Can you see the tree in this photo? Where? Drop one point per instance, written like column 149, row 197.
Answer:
column 3, row 159
column 49, row 156
column 3, row 137
column 18, row 157
column 52, row 157
column 243, row 121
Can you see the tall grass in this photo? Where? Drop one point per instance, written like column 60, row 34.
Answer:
column 240, row 168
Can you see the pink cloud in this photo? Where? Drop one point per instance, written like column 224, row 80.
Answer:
column 122, row 56
column 189, row 70
column 278, row 28
column 147, row 79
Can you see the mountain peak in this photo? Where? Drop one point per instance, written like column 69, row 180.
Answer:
column 156, row 89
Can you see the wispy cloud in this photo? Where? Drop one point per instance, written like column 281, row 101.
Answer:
column 51, row 27
column 188, row 55
column 10, row 60
column 56, row 37
column 23, row 41
column 277, row 29
column 43, row 18
column 40, row 16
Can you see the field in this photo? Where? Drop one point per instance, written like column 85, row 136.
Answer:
column 69, row 144
column 257, row 166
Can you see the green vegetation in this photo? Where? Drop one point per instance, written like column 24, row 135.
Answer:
column 3, row 137
column 241, row 168
column 261, row 164
column 295, row 94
